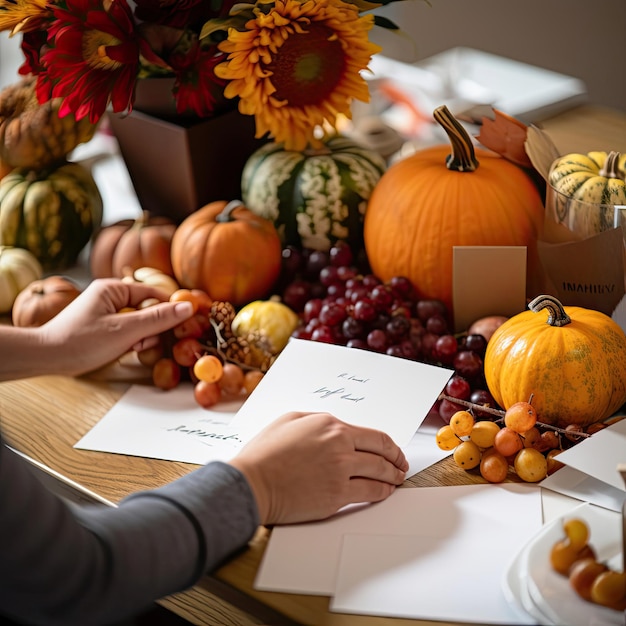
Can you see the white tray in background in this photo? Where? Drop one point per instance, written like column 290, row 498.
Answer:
column 465, row 77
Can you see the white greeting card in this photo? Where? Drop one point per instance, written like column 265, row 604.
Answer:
column 357, row 386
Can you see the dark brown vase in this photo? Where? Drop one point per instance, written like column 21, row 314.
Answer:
column 177, row 164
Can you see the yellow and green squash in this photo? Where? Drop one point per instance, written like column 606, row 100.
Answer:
column 314, row 197
column 52, row 213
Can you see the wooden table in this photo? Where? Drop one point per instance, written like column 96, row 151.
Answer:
column 44, row 417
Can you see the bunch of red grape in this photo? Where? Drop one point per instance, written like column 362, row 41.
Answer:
column 341, row 302
column 203, row 350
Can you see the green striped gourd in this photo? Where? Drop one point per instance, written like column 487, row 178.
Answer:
column 596, row 178
column 52, row 213
column 314, row 197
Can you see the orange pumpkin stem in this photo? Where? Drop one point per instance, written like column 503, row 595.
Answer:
column 557, row 315
column 225, row 215
column 463, row 157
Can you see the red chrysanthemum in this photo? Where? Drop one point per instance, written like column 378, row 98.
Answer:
column 196, row 87
column 93, row 58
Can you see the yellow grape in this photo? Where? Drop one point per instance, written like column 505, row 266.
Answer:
column 531, row 437
column 577, row 532
column 553, row 463
column 232, row 378
column 563, row 555
column 484, row 433
column 208, row 368
column 467, row 455
column 530, row 465
column 609, row 589
column 520, row 417
column 493, row 466
column 251, row 379
column 446, row 439
column 207, row 394
column 507, row 441
column 462, row 423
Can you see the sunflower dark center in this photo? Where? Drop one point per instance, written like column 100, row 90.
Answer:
column 308, row 67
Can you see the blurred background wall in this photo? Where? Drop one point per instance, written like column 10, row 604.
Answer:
column 573, row 37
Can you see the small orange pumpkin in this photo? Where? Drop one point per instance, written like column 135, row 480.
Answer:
column 431, row 201
column 127, row 245
column 40, row 301
column 227, row 251
column 572, row 361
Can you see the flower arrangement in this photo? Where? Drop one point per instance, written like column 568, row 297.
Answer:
column 295, row 65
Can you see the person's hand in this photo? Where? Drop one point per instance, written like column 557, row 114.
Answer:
column 306, row 466
column 90, row 333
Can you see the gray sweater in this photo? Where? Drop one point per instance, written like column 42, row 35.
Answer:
column 67, row 564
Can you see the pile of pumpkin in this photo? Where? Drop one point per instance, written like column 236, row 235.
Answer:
column 406, row 217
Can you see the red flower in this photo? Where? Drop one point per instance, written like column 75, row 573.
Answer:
column 32, row 44
column 93, row 58
column 196, row 87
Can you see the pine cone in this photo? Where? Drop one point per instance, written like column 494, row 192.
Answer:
column 32, row 135
column 223, row 314
column 250, row 350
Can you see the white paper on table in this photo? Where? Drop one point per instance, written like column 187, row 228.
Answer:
column 599, row 455
column 357, row 386
column 421, row 577
column 487, row 523
column 576, row 484
column 169, row 425
column 153, row 423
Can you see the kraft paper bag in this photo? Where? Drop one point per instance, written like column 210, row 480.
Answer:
column 589, row 273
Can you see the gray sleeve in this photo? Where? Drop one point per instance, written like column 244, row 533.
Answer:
column 65, row 564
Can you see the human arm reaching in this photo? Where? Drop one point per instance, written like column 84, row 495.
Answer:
column 97, row 564
column 89, row 332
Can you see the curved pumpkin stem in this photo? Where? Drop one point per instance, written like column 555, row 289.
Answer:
column 557, row 315
column 610, row 169
column 463, row 157
column 225, row 215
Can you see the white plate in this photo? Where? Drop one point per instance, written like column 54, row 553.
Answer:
column 550, row 592
column 515, row 589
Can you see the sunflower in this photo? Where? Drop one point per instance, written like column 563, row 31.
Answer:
column 23, row 15
column 297, row 66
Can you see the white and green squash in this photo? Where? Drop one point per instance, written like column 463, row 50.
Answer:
column 597, row 179
column 314, row 197
column 53, row 213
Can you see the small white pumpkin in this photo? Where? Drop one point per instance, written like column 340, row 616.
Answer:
column 18, row 269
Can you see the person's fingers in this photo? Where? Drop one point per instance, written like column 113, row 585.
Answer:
column 157, row 319
column 370, row 440
column 139, row 292
column 373, row 466
column 365, row 490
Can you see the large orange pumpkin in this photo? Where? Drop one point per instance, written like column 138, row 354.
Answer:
column 433, row 200
column 227, row 251
column 127, row 245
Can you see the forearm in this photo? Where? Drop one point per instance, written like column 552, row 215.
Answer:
column 25, row 353
column 62, row 565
